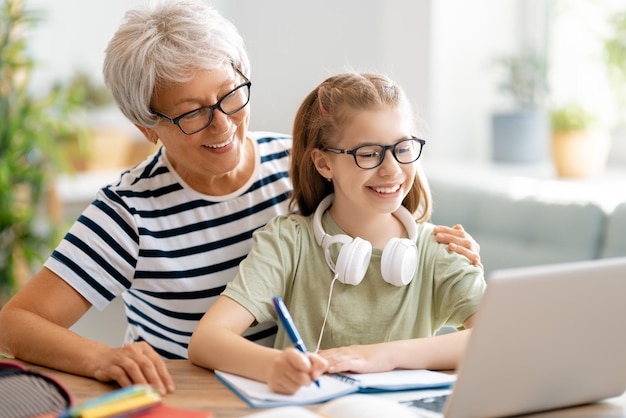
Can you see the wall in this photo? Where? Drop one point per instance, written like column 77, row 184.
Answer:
column 295, row 45
column 438, row 50
column 441, row 51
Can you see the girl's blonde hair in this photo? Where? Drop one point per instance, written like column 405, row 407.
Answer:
column 323, row 115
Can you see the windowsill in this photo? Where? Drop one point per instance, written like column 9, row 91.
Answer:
column 75, row 192
column 85, row 184
column 534, row 180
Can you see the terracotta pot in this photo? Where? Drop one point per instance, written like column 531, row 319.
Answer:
column 580, row 154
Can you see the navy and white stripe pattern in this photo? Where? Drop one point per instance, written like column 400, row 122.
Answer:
column 171, row 247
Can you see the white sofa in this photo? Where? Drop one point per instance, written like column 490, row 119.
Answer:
column 517, row 229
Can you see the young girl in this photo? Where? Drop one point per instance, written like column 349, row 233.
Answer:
column 367, row 285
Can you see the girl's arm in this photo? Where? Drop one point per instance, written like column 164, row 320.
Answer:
column 217, row 344
column 441, row 352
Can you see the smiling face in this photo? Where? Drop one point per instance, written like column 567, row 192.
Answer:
column 366, row 193
column 216, row 160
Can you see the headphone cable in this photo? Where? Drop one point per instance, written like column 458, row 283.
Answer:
column 330, row 294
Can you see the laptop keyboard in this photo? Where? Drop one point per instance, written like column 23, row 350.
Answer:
column 433, row 403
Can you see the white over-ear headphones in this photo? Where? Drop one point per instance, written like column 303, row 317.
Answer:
column 399, row 259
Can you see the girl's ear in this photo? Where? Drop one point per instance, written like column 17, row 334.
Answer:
column 320, row 162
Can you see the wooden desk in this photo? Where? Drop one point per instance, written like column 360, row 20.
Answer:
column 198, row 388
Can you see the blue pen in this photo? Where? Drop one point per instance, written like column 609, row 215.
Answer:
column 290, row 327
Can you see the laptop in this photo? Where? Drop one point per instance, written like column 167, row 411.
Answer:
column 545, row 337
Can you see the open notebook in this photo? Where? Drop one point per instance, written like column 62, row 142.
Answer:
column 259, row 395
column 545, row 337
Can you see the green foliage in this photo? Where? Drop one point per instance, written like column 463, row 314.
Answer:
column 572, row 118
column 615, row 56
column 525, row 78
column 32, row 128
column 93, row 95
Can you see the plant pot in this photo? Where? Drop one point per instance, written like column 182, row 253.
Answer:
column 520, row 137
column 114, row 143
column 617, row 156
column 580, row 154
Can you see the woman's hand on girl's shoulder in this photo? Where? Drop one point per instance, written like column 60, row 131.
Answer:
column 459, row 241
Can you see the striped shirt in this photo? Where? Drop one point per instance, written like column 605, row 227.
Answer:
column 167, row 249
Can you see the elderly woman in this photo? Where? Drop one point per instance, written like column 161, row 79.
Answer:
column 169, row 234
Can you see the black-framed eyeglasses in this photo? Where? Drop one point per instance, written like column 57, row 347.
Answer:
column 198, row 119
column 370, row 156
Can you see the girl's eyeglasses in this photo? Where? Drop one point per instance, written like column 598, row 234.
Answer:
column 371, row 156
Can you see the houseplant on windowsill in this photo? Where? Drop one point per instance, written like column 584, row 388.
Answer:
column 521, row 134
column 615, row 59
column 580, row 144
column 113, row 142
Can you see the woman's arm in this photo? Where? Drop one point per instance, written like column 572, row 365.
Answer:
column 217, row 344
column 441, row 352
column 34, row 327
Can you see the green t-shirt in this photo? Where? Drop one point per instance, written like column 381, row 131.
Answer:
column 286, row 261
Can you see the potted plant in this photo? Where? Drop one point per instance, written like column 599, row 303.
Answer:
column 521, row 135
column 580, row 146
column 80, row 152
column 113, row 142
column 32, row 126
column 615, row 59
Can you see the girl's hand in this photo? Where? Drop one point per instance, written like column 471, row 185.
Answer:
column 294, row 369
column 459, row 241
column 357, row 358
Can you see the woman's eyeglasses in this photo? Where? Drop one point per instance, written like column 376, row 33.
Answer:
column 199, row 119
column 372, row 155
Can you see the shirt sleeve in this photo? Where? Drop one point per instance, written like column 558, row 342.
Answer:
column 98, row 255
column 269, row 268
column 459, row 287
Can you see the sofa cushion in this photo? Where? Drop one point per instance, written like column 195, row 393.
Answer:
column 524, row 231
column 615, row 233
